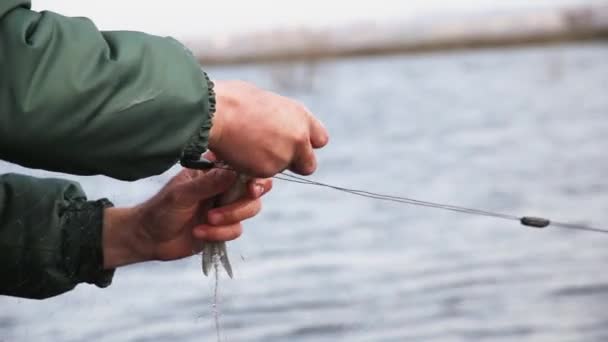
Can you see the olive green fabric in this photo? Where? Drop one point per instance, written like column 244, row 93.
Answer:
column 77, row 100
column 49, row 237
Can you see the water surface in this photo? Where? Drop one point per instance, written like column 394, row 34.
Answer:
column 520, row 131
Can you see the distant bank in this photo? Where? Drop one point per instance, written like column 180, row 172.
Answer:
column 473, row 30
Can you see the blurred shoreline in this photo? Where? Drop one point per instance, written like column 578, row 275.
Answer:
column 437, row 33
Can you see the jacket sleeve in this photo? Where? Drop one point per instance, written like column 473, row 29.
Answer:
column 50, row 237
column 77, row 100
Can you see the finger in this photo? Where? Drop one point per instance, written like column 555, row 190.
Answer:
column 318, row 134
column 235, row 212
column 258, row 187
column 319, row 137
column 207, row 185
column 210, row 156
column 305, row 162
column 218, row 233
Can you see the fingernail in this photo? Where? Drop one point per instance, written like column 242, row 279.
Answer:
column 259, row 190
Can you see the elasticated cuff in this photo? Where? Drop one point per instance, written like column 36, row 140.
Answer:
column 199, row 142
column 83, row 243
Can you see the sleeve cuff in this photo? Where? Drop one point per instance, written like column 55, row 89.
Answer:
column 83, row 250
column 198, row 143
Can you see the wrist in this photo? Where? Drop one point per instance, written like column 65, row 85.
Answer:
column 215, row 133
column 122, row 243
column 224, row 107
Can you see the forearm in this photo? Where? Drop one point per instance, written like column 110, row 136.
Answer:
column 77, row 100
column 50, row 237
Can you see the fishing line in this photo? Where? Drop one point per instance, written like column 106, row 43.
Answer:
column 527, row 221
column 398, row 199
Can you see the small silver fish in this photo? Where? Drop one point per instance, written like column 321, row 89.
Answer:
column 215, row 252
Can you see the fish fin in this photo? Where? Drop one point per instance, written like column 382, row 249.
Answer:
column 207, row 259
column 224, row 259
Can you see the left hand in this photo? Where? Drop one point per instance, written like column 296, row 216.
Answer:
column 175, row 222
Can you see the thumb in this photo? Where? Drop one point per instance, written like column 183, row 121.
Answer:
column 207, row 185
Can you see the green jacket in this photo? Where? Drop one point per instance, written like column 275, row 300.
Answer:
column 76, row 100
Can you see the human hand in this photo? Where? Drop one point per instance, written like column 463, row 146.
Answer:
column 174, row 223
column 260, row 133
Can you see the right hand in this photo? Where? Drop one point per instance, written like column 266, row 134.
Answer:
column 261, row 133
column 168, row 225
